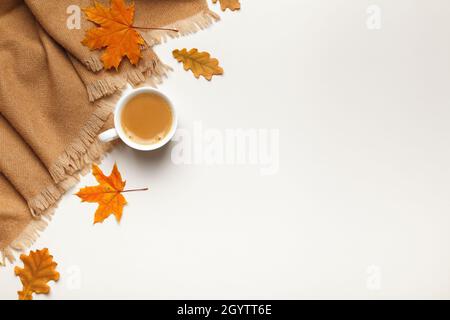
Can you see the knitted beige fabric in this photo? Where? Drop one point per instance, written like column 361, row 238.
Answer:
column 55, row 99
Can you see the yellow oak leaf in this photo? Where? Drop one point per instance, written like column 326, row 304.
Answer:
column 39, row 268
column 108, row 194
column 200, row 63
column 229, row 4
column 115, row 32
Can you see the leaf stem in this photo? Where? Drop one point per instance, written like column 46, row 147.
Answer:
column 162, row 29
column 134, row 190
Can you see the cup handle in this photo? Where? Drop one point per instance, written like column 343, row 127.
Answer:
column 108, row 135
column 111, row 134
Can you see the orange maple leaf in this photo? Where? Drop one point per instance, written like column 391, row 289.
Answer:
column 108, row 194
column 38, row 269
column 116, row 33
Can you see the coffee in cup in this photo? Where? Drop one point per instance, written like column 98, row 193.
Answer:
column 144, row 119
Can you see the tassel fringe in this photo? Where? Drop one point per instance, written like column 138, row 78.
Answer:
column 187, row 26
column 94, row 63
column 48, row 197
column 152, row 74
column 28, row 236
column 85, row 149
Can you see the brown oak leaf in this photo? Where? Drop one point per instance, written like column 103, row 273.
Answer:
column 200, row 63
column 39, row 268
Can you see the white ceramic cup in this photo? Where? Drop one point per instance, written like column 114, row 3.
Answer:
column 118, row 133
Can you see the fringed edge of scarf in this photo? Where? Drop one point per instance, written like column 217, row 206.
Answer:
column 84, row 151
column 193, row 24
column 85, row 148
column 27, row 237
column 152, row 74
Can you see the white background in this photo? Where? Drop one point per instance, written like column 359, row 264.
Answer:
column 360, row 207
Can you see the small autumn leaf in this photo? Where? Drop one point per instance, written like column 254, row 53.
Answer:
column 108, row 194
column 39, row 268
column 229, row 4
column 200, row 63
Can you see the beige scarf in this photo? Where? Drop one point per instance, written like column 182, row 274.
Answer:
column 55, row 99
